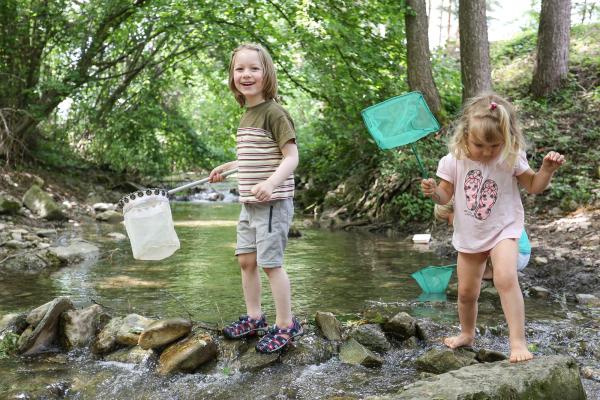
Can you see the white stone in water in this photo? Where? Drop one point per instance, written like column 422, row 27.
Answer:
column 588, row 299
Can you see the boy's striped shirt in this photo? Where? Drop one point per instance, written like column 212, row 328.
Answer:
column 262, row 131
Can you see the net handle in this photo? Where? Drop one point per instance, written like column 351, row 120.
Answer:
column 200, row 182
column 421, row 167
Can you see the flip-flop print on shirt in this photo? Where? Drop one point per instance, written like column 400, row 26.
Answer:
column 487, row 199
column 472, row 184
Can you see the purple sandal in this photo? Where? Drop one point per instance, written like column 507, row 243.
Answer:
column 275, row 340
column 245, row 327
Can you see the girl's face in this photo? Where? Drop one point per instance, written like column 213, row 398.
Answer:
column 482, row 150
column 248, row 73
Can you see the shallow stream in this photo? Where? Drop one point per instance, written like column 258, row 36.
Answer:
column 338, row 272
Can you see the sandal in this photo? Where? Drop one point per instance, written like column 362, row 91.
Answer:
column 245, row 327
column 275, row 339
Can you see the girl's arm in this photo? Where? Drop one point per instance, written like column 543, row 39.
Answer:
column 537, row 182
column 440, row 194
column 262, row 191
column 215, row 174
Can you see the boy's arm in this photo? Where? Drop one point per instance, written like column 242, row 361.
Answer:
column 215, row 174
column 537, row 182
column 262, row 191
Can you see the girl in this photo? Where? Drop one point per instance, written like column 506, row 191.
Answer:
column 266, row 159
column 446, row 213
column 485, row 163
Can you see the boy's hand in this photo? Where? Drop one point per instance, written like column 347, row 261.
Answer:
column 262, row 191
column 428, row 187
column 215, row 175
column 552, row 161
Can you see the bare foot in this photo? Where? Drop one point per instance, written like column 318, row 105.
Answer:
column 519, row 353
column 462, row 340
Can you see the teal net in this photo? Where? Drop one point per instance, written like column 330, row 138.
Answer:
column 400, row 120
column 434, row 279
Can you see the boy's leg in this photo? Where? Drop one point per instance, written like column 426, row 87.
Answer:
column 280, row 288
column 504, row 258
column 469, row 270
column 251, row 284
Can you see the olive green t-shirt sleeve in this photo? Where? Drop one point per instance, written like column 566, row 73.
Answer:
column 283, row 129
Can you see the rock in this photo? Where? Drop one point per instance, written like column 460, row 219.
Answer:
column 539, row 292
column 106, row 341
column 40, row 336
column 104, row 207
column 372, row 337
column 401, row 326
column 131, row 355
column 42, row 204
column 541, row 260
column 352, row 352
column 310, row 350
column 188, row 354
column 587, row 299
column 110, row 216
column 329, row 325
column 485, row 355
column 16, row 244
column 253, row 361
column 45, row 232
column 548, row 378
column 380, row 313
column 591, row 373
column 162, row 332
column 75, row 252
column 79, row 326
column 13, row 323
column 9, row 204
column 130, row 330
column 294, row 232
column 116, row 236
column 440, row 361
column 28, row 262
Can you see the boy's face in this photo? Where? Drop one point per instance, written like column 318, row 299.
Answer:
column 248, row 74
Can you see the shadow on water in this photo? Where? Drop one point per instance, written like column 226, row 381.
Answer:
column 330, row 271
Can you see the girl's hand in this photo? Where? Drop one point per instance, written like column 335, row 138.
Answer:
column 428, row 187
column 262, row 191
column 552, row 161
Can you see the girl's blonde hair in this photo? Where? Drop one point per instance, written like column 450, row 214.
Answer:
column 491, row 118
column 269, row 76
column 441, row 213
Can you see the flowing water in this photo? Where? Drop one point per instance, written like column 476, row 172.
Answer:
column 330, row 271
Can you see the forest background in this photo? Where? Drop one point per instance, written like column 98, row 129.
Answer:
column 138, row 89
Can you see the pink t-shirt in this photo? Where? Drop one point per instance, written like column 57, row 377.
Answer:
column 487, row 202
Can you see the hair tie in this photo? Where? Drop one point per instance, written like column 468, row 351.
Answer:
column 493, row 106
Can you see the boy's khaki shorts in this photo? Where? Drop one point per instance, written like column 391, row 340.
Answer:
column 263, row 228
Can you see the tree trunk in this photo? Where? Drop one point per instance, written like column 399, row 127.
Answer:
column 418, row 56
column 474, row 48
column 552, row 63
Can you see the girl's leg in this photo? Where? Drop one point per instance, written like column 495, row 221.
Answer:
column 280, row 287
column 251, row 284
column 504, row 259
column 469, row 270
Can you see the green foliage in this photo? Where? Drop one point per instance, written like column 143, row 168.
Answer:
column 8, row 344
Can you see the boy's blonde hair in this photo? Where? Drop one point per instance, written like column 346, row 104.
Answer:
column 269, row 76
column 491, row 118
column 441, row 213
